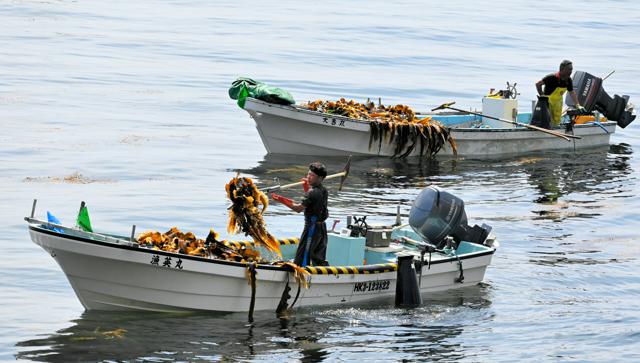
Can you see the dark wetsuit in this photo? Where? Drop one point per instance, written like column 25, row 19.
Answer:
column 553, row 81
column 554, row 88
column 315, row 204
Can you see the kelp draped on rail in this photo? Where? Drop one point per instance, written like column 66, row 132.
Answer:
column 426, row 134
column 397, row 125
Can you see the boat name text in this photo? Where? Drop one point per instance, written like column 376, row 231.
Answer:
column 371, row 286
column 167, row 262
column 333, row 122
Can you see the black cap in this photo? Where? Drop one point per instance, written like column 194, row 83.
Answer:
column 318, row 169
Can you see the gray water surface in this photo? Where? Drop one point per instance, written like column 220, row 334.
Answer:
column 124, row 105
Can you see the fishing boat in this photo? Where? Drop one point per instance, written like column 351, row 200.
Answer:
column 115, row 272
column 291, row 129
column 500, row 129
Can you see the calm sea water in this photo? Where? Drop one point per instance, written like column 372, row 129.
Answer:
column 123, row 105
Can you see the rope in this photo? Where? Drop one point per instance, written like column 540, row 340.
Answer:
column 252, row 274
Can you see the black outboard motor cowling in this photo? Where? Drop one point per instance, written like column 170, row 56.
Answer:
column 592, row 96
column 436, row 214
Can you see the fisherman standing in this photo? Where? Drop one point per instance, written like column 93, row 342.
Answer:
column 555, row 86
column 312, row 248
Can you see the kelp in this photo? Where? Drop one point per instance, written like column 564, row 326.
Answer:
column 363, row 111
column 299, row 273
column 222, row 249
column 245, row 215
column 174, row 241
column 397, row 125
column 429, row 134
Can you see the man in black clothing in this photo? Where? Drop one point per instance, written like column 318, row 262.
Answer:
column 312, row 248
column 555, row 85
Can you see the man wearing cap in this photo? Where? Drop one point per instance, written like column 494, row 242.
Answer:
column 555, row 86
column 312, row 248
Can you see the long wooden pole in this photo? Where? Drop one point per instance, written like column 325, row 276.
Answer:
column 291, row 185
column 343, row 174
column 550, row 132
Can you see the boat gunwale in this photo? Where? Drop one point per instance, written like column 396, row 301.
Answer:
column 365, row 269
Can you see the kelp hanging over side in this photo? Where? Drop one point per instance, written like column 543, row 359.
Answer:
column 397, row 125
column 427, row 134
column 299, row 273
column 245, row 215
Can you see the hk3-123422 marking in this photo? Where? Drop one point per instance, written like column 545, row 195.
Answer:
column 371, row 286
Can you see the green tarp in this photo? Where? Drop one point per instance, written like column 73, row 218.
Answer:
column 244, row 87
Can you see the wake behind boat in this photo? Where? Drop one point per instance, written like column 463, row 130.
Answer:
column 115, row 272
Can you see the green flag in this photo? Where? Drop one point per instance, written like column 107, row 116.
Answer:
column 242, row 96
column 83, row 220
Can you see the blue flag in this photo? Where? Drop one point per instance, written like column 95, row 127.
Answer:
column 52, row 219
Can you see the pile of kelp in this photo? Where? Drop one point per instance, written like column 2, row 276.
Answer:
column 226, row 251
column 245, row 214
column 363, row 111
column 176, row 241
column 397, row 125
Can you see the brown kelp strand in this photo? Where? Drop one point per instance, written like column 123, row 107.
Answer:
column 245, row 213
column 426, row 135
column 396, row 125
column 299, row 273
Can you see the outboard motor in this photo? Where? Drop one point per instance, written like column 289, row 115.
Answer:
column 436, row 214
column 592, row 96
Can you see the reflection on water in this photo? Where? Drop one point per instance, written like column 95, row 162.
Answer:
column 556, row 173
column 364, row 172
column 582, row 171
column 309, row 335
column 378, row 184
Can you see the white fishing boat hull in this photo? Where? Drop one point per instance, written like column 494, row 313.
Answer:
column 294, row 130
column 112, row 273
